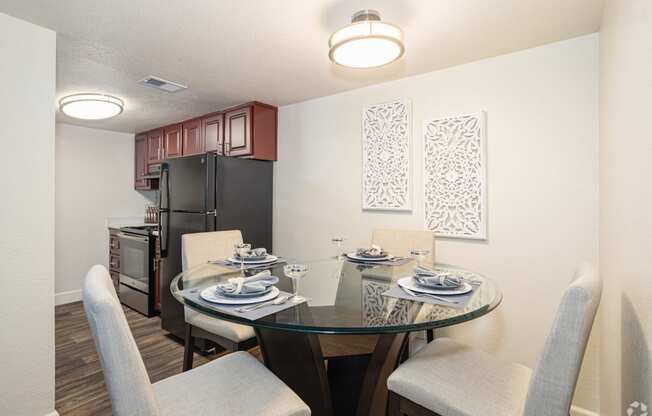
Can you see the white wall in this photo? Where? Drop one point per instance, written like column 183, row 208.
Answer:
column 94, row 180
column 626, row 203
column 27, row 221
column 542, row 107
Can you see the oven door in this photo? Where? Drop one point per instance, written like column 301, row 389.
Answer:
column 134, row 261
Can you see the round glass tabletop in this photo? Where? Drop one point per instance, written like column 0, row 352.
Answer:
column 342, row 297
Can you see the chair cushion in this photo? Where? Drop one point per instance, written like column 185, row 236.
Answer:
column 236, row 384
column 228, row 330
column 453, row 379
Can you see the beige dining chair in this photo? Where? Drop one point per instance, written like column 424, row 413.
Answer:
column 402, row 242
column 197, row 249
column 453, row 379
column 236, row 384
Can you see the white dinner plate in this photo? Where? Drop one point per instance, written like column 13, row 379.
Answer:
column 354, row 256
column 269, row 259
column 248, row 294
column 409, row 283
column 210, row 295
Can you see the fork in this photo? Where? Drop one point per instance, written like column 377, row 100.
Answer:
column 428, row 295
column 278, row 301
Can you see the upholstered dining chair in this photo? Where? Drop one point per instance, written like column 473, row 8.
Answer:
column 236, row 384
column 402, row 242
column 197, row 249
column 452, row 379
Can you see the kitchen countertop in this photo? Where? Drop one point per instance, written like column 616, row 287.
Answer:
column 135, row 221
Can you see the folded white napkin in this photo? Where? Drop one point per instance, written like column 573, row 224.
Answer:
column 255, row 252
column 373, row 251
column 437, row 278
column 252, row 284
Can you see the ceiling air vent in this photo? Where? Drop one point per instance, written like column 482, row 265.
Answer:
column 162, row 84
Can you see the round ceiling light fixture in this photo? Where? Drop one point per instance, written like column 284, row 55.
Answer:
column 91, row 106
column 366, row 42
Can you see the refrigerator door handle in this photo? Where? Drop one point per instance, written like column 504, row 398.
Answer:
column 163, row 228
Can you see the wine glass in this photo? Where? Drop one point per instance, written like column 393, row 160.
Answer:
column 419, row 255
column 339, row 241
column 295, row 272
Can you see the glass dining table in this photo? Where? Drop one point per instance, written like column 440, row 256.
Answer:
column 337, row 349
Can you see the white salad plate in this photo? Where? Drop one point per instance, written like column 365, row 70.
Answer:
column 354, row 256
column 210, row 295
column 269, row 259
column 409, row 283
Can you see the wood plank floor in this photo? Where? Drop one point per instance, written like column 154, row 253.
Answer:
column 80, row 388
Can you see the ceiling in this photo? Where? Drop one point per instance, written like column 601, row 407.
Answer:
column 276, row 51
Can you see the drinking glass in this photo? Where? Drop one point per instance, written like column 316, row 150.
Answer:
column 339, row 241
column 295, row 272
column 419, row 255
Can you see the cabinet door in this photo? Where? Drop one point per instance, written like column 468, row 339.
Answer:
column 237, row 132
column 192, row 138
column 140, row 163
column 155, row 147
column 213, row 131
column 173, row 144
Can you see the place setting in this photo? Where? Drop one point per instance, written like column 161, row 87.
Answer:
column 246, row 258
column 436, row 286
column 253, row 297
column 375, row 256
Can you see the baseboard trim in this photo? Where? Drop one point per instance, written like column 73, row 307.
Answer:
column 62, row 298
column 580, row 411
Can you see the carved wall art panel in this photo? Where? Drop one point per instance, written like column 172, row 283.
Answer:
column 386, row 154
column 455, row 166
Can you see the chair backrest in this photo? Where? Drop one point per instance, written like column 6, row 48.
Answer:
column 198, row 248
column 553, row 382
column 129, row 386
column 401, row 242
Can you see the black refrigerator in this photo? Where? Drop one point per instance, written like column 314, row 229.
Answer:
column 209, row 193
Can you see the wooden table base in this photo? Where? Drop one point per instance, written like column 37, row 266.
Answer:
column 346, row 386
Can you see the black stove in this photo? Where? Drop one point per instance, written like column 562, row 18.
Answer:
column 137, row 288
column 141, row 229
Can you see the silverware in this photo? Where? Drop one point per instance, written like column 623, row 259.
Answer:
column 278, row 301
column 397, row 258
column 428, row 295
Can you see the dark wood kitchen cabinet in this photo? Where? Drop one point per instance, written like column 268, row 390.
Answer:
column 237, row 132
column 250, row 131
column 212, row 128
column 246, row 131
column 193, row 142
column 141, row 182
column 173, row 142
column 155, row 147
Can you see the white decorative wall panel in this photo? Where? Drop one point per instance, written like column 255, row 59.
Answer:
column 455, row 176
column 386, row 181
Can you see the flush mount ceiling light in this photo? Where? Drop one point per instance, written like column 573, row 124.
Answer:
column 366, row 42
column 90, row 106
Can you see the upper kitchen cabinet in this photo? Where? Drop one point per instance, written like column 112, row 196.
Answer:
column 250, row 131
column 155, row 147
column 247, row 131
column 212, row 128
column 141, row 182
column 193, row 142
column 173, row 142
